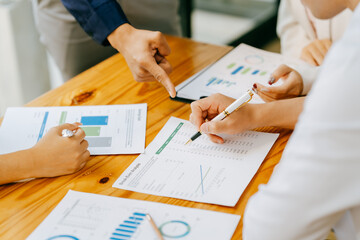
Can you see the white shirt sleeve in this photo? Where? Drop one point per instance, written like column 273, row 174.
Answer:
column 317, row 180
column 292, row 35
column 309, row 75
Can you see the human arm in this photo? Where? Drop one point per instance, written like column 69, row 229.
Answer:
column 144, row 51
column 315, row 52
column 52, row 156
column 97, row 18
column 283, row 113
column 317, row 178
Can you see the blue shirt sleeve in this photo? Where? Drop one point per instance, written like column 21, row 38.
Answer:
column 98, row 18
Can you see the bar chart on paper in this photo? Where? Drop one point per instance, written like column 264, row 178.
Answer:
column 235, row 73
column 89, row 216
column 201, row 171
column 113, row 129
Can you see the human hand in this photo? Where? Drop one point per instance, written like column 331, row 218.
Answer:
column 315, row 52
column 55, row 155
column 145, row 53
column 206, row 109
column 292, row 85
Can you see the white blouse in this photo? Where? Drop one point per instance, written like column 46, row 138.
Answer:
column 297, row 28
column 316, row 185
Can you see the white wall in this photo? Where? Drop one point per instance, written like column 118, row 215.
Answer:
column 24, row 71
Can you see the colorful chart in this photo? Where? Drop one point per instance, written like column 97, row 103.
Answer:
column 245, row 70
column 92, row 128
column 254, row 59
column 63, row 237
column 128, row 228
column 175, row 229
column 41, row 133
column 218, row 81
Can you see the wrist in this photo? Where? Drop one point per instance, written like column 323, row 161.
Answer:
column 32, row 168
column 258, row 115
column 119, row 36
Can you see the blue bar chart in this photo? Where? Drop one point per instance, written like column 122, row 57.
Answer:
column 94, row 120
column 242, row 69
column 41, row 133
column 128, row 228
column 237, row 70
column 92, row 127
column 218, row 81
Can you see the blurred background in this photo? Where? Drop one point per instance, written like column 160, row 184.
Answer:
column 27, row 71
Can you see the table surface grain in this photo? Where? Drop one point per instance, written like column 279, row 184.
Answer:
column 23, row 206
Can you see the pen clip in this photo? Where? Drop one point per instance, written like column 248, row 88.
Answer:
column 251, row 94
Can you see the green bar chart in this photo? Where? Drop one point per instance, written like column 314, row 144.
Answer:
column 91, row 131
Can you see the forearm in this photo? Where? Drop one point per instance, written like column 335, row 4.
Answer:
column 16, row 166
column 282, row 113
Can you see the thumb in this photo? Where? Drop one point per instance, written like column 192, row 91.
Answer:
column 280, row 72
column 211, row 127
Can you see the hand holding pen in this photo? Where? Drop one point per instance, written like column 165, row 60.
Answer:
column 207, row 113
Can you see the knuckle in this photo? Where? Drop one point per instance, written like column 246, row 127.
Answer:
column 277, row 95
column 141, row 74
column 159, row 77
column 214, row 128
column 73, row 167
column 141, row 60
column 193, row 105
column 217, row 95
column 157, row 35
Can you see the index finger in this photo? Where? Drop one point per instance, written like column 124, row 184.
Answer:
column 160, row 75
column 280, row 72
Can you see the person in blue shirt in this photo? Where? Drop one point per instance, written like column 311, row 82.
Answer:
column 76, row 41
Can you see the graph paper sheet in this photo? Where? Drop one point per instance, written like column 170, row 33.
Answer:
column 85, row 216
column 112, row 129
column 235, row 73
column 201, row 171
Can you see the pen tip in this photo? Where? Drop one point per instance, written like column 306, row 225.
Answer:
column 188, row 142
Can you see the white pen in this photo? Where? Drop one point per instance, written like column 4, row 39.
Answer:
column 241, row 101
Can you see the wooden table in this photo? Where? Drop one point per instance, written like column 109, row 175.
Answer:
column 23, row 206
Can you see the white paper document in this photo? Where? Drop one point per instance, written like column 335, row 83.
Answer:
column 111, row 129
column 86, row 216
column 235, row 73
column 201, row 171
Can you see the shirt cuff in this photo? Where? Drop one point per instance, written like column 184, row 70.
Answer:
column 111, row 16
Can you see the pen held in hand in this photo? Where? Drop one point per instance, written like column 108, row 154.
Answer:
column 224, row 114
